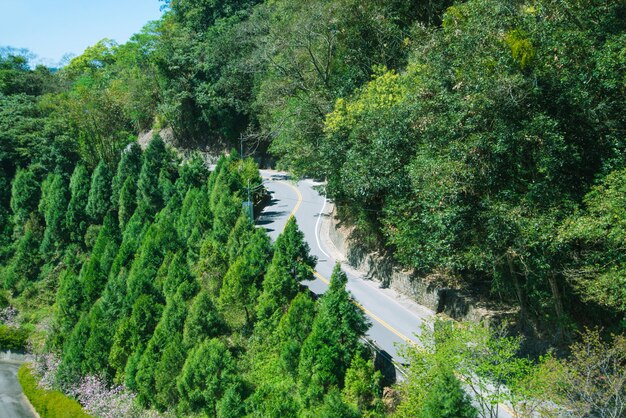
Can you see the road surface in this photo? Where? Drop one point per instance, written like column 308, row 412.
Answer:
column 13, row 403
column 395, row 319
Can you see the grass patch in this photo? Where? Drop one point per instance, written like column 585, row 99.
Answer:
column 48, row 403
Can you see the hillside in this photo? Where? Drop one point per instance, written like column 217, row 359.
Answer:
column 481, row 142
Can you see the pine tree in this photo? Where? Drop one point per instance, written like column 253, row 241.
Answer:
column 99, row 201
column 76, row 218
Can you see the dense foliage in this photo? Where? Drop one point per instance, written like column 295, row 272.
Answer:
column 481, row 143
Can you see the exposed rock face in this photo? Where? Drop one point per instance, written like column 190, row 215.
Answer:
column 433, row 292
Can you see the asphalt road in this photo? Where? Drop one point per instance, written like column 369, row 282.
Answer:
column 395, row 320
column 13, row 404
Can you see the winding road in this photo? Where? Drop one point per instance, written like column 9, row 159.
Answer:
column 395, row 319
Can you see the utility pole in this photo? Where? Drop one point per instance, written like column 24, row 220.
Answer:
column 247, row 206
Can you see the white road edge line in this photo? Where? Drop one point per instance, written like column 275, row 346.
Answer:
column 317, row 229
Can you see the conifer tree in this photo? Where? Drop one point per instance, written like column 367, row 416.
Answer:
column 127, row 201
column 328, row 350
column 242, row 281
column 167, row 370
column 96, row 272
column 25, row 195
column 170, row 324
column 291, row 263
column 202, row 322
column 26, row 262
column 53, row 206
column 128, row 167
column 69, row 303
column 149, row 194
column 208, row 372
column 99, row 201
column 76, row 218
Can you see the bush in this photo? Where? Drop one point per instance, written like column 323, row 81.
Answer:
column 13, row 339
column 48, row 404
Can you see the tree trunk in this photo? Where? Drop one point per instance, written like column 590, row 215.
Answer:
column 519, row 290
column 558, row 302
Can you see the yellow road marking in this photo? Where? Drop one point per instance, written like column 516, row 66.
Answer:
column 295, row 189
column 364, row 309
column 370, row 313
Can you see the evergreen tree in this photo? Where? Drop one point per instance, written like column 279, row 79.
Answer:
column 128, row 167
column 149, row 194
column 70, row 368
column 447, row 399
column 76, row 218
column 328, row 350
column 24, row 267
column 53, row 206
column 242, row 281
column 25, row 195
column 127, row 201
column 96, row 271
column 167, row 370
column 207, row 374
column 202, row 322
column 99, row 201
column 69, row 303
column 291, row 263
column 294, row 327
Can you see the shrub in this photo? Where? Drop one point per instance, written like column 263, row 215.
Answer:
column 13, row 339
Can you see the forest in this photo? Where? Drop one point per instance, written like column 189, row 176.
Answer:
column 480, row 143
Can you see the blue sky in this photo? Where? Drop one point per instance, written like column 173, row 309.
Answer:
column 51, row 29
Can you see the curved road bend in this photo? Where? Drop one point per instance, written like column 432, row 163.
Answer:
column 395, row 319
column 13, row 403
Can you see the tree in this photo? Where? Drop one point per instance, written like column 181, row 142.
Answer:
column 594, row 378
column 446, row 398
column 597, row 235
column 127, row 201
column 53, row 205
column 328, row 350
column 291, row 263
column 149, row 194
column 202, row 322
column 99, row 201
column 76, row 218
column 241, row 283
column 69, row 303
column 209, row 371
column 25, row 195
column 363, row 385
column 96, row 270
column 128, row 167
